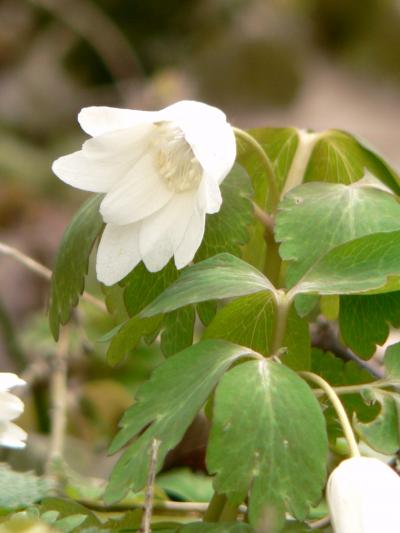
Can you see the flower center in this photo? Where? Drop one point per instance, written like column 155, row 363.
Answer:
column 175, row 159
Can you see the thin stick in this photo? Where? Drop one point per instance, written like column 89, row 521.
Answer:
column 43, row 271
column 58, row 394
column 149, row 495
column 337, row 404
column 176, row 507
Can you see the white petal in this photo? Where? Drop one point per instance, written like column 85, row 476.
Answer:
column 9, row 380
column 93, row 175
column 118, row 252
column 363, row 496
column 162, row 233
column 10, row 406
column 139, row 194
column 97, row 120
column 212, row 139
column 103, row 161
column 191, row 241
column 12, row 436
column 210, row 198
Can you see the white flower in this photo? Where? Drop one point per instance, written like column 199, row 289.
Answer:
column 364, row 497
column 11, row 407
column 161, row 172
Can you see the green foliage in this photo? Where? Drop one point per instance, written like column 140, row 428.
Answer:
column 226, row 231
column 164, row 408
column 71, row 264
column 383, row 432
column 364, row 320
column 126, row 336
column 221, row 276
column 142, row 286
column 353, row 210
column 365, row 264
column 254, row 449
column 251, row 321
column 185, row 485
column 338, row 157
column 392, row 361
column 280, row 145
column 178, row 330
column 18, row 490
column 227, row 527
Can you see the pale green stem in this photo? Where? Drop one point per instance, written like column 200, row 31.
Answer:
column 272, row 181
column 337, row 404
column 283, row 304
column 353, row 389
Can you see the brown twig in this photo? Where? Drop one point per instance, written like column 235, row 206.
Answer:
column 43, row 271
column 149, row 495
column 58, row 394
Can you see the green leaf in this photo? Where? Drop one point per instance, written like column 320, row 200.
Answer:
column 392, row 361
column 71, row 266
column 364, row 320
column 178, row 330
column 226, row 230
column 71, row 514
column 185, row 485
column 364, row 264
column 338, row 157
column 352, row 210
column 206, row 311
column 251, row 320
column 70, row 523
column 383, row 432
column 19, row 490
column 227, row 527
column 164, row 408
column 127, row 336
column 142, row 286
column 268, row 438
column 280, row 145
column 221, row 276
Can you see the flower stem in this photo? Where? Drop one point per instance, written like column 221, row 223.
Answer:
column 272, row 181
column 337, row 404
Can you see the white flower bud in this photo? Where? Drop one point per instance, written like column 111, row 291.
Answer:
column 364, row 497
column 11, row 407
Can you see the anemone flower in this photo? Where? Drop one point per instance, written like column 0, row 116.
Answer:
column 160, row 172
column 11, row 407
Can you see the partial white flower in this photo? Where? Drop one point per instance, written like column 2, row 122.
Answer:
column 11, row 407
column 161, row 172
column 363, row 497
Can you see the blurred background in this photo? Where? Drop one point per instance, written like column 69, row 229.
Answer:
column 308, row 63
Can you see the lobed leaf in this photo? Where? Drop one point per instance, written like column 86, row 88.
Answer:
column 164, row 408
column 71, row 266
column 364, row 320
column 330, row 214
column 268, row 439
